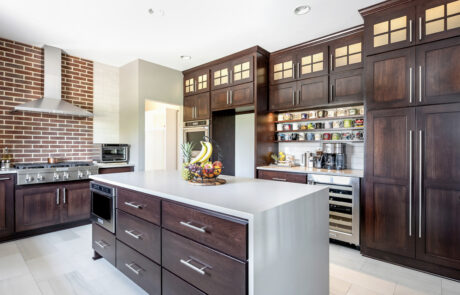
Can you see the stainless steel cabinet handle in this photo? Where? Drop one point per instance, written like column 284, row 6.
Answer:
column 410, row 31
column 189, row 225
column 196, row 112
column 420, row 83
column 279, row 179
column 5, row 178
column 134, row 268
column 298, row 70
column 231, row 96
column 420, row 28
column 227, row 97
column 231, row 77
column 331, row 62
column 410, row 84
column 298, row 96
column 420, row 185
column 57, row 196
column 293, row 97
column 410, row 183
column 131, row 204
column 191, row 266
column 64, row 195
column 331, row 94
column 132, row 234
column 101, row 244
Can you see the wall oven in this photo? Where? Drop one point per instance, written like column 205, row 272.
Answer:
column 103, row 205
column 113, row 153
column 194, row 132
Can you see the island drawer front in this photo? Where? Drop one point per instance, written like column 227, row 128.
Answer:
column 141, row 235
column 104, row 243
column 141, row 205
column 283, row 176
column 173, row 285
column 141, row 270
column 205, row 268
column 224, row 233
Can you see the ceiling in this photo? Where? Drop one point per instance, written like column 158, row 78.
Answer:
column 116, row 32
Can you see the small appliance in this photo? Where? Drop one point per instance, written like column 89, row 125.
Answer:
column 103, row 200
column 114, row 152
column 194, row 132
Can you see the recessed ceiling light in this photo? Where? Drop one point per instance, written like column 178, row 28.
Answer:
column 300, row 10
column 157, row 12
column 151, row 11
column 186, row 57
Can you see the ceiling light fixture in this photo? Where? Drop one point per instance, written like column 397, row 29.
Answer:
column 158, row 12
column 301, row 10
column 186, row 57
column 151, row 11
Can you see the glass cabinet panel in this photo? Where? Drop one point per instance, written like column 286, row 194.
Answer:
column 283, row 70
column 390, row 31
column 203, row 82
column 189, row 85
column 241, row 71
column 442, row 17
column 348, row 55
column 312, row 63
column 221, row 77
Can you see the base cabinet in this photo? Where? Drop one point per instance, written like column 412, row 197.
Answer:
column 6, row 204
column 104, row 243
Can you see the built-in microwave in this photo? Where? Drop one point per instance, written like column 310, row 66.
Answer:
column 194, row 132
column 114, row 153
column 103, row 203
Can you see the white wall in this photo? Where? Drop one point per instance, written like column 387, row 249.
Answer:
column 244, row 145
column 106, row 103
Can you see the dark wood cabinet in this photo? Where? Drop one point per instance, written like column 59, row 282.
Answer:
column 103, row 243
column 138, row 204
column 347, row 87
column 390, row 79
column 197, row 107
column 312, row 61
column 282, row 96
column 312, row 92
column 346, row 53
column 438, row 72
column 173, row 285
column 437, row 182
column 231, row 97
column 108, row 170
column 282, row 176
column 242, row 70
column 6, row 204
column 221, row 76
column 76, row 201
column 388, row 201
column 282, row 67
column 196, row 82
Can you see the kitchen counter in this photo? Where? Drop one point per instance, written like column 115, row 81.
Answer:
column 8, row 171
column 299, row 169
column 287, row 224
column 113, row 165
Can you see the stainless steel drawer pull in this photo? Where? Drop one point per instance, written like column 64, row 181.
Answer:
column 131, row 204
column 6, row 178
column 279, row 179
column 410, row 183
column 134, row 268
column 420, row 28
column 64, row 197
column 57, row 196
column 420, row 83
column 189, row 225
column 101, row 244
column 410, row 84
column 410, row 31
column 420, row 191
column 293, row 97
column 132, row 234
column 191, row 266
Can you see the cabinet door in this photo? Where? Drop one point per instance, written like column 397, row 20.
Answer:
column 242, row 94
column 282, row 68
column 390, row 79
column 189, row 108
column 196, row 82
column 437, row 19
column 312, row 61
column 391, row 29
column 76, row 201
column 202, row 107
column 37, row 207
column 282, row 96
column 438, row 72
column 438, row 184
column 347, row 53
column 388, row 198
column 220, row 99
column 347, row 87
column 242, row 70
column 220, row 76
column 6, row 204
column 312, row 92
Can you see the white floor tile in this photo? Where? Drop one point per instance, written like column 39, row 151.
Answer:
column 12, row 266
column 450, row 287
column 20, row 285
column 338, row 286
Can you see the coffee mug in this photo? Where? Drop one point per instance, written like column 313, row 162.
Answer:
column 302, row 136
column 348, row 123
column 281, row 137
column 337, row 124
column 295, row 126
column 359, row 123
column 280, row 117
column 352, row 112
column 311, row 126
column 303, row 127
column 312, row 115
column 287, row 127
column 328, row 125
column 336, row 136
column 347, row 136
column 318, row 136
column 279, row 127
column 358, row 135
column 304, row 116
column 327, row 136
column 310, row 136
column 294, row 136
column 320, row 114
column 331, row 113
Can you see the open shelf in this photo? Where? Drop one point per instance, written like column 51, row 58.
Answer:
column 323, row 119
column 320, row 130
column 321, row 141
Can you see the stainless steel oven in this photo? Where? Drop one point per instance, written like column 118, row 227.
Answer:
column 103, row 205
column 194, row 132
column 113, row 153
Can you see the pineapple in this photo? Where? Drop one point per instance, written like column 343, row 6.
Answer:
column 186, row 149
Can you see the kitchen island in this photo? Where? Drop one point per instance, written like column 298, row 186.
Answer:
column 248, row 236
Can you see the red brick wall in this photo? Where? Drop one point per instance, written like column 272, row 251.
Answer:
column 35, row 137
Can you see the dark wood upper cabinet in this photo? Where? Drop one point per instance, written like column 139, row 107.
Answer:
column 437, row 19
column 6, row 204
column 388, row 195
column 437, row 182
column 196, row 82
column 76, row 201
column 390, row 79
column 282, row 96
column 438, row 72
column 282, row 67
column 220, row 75
column 312, row 92
column 312, row 61
column 197, row 107
column 346, row 53
column 347, row 87
column 242, row 70
column 228, row 98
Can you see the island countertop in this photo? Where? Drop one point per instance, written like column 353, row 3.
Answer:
column 240, row 197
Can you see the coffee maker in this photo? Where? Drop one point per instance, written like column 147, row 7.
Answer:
column 334, row 156
column 340, row 156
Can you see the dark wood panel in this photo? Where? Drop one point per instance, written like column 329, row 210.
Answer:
column 76, row 201
column 6, row 204
column 189, row 111
column 202, row 106
column 312, row 61
column 141, row 235
column 347, row 87
column 352, row 56
column 312, row 92
column 173, row 285
column 242, row 94
column 228, row 235
column 199, row 86
column 221, row 275
column 103, row 243
column 283, row 176
column 240, row 75
column 223, row 132
column 284, row 66
column 220, row 99
column 116, row 170
column 138, row 204
column 141, row 270
column 282, row 96
column 218, row 72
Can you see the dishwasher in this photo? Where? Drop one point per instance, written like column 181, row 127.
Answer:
column 343, row 206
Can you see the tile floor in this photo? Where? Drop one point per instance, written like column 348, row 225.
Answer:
column 60, row 263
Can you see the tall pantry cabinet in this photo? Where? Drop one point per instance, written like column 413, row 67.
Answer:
column 411, row 199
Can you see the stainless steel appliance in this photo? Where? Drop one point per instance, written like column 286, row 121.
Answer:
column 37, row 173
column 194, row 132
column 103, row 200
column 114, row 153
column 343, row 206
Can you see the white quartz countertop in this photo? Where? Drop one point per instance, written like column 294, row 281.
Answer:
column 240, row 197
column 299, row 169
column 114, row 165
column 7, row 171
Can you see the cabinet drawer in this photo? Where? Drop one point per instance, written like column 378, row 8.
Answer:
column 141, row 270
column 141, row 205
column 141, row 235
column 207, row 269
column 104, row 243
column 173, row 285
column 218, row 231
column 283, row 176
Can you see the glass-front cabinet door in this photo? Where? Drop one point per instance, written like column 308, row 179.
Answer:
column 438, row 19
column 196, row 82
column 220, row 76
column 282, row 68
column 312, row 62
column 347, row 53
column 242, row 70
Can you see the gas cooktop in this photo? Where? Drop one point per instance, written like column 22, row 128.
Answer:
column 37, row 173
column 21, row 166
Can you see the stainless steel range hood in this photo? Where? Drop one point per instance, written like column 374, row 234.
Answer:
column 51, row 103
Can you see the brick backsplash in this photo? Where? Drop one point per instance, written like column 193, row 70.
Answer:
column 35, row 137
